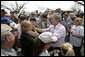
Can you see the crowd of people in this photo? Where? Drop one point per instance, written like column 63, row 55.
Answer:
column 41, row 34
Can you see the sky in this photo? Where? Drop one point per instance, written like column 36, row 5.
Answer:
column 43, row 5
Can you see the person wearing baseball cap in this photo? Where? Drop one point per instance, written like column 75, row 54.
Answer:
column 44, row 41
column 7, row 41
column 21, row 18
column 3, row 12
column 5, row 20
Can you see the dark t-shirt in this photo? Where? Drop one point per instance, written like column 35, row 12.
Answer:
column 27, row 43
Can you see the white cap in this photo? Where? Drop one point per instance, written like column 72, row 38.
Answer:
column 47, row 37
column 5, row 28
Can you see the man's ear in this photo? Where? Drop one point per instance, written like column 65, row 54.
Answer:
column 7, row 37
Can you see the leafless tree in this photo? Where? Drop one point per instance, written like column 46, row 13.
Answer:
column 77, row 5
column 14, row 7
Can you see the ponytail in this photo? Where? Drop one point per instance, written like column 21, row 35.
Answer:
column 70, row 52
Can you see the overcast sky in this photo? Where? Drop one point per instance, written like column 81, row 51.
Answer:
column 42, row 5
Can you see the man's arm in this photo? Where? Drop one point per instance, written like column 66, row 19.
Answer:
column 39, row 30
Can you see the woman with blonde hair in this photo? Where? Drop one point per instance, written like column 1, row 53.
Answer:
column 27, row 38
column 76, row 35
column 67, row 50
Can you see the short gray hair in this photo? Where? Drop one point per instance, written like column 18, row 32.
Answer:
column 4, row 36
column 57, row 16
column 5, row 29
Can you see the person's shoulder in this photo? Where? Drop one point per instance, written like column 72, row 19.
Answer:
column 61, row 25
column 17, row 25
column 25, row 35
column 73, row 27
column 80, row 27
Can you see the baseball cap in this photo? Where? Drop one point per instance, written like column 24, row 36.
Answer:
column 47, row 37
column 5, row 20
column 2, row 10
column 21, row 16
column 5, row 28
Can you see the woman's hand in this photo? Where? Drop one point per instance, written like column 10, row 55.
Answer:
column 33, row 33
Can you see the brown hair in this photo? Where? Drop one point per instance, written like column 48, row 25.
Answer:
column 66, row 14
column 38, row 47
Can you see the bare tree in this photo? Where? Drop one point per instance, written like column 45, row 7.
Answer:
column 15, row 7
column 77, row 5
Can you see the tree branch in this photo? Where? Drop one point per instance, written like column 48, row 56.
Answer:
column 79, row 2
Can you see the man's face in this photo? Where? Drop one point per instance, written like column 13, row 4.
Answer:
column 64, row 16
column 54, row 22
column 33, row 23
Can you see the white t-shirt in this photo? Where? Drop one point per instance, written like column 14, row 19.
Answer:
column 44, row 53
column 18, row 26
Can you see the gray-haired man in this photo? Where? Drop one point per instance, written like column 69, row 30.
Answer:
column 7, row 41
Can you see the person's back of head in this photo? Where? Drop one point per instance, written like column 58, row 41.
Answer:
column 21, row 16
column 44, row 15
column 67, row 49
column 70, row 52
column 33, row 19
column 42, row 41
